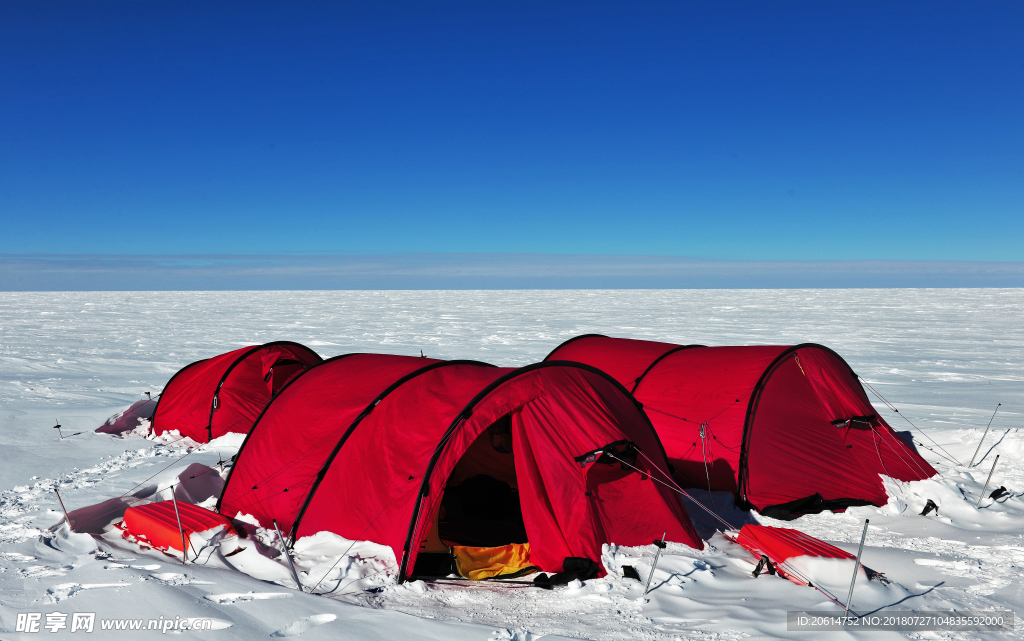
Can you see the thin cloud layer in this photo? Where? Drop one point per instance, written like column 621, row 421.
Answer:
column 479, row 271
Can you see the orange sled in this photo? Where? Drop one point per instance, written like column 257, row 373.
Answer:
column 157, row 524
column 779, row 545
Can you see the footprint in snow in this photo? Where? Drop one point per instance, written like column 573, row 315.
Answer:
column 519, row 634
column 121, row 566
column 303, row 625
column 39, row 572
column 208, row 623
column 67, row 590
column 173, row 578
column 237, row 597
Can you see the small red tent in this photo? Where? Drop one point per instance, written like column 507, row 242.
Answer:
column 212, row 397
column 789, row 429
column 414, row 453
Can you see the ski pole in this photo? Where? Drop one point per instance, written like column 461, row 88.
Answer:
column 971, row 464
column 657, row 555
column 287, row 555
column 856, row 569
column 982, row 497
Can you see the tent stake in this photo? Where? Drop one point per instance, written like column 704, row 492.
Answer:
column 971, row 464
column 66, row 515
column 657, row 555
column 856, row 568
column 184, row 549
column 982, row 497
column 287, row 555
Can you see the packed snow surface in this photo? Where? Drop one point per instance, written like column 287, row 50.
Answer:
column 944, row 358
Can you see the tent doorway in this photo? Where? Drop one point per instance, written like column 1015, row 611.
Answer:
column 480, row 506
column 281, row 372
column 480, row 512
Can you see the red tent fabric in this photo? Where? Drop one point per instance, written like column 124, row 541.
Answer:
column 293, row 440
column 226, row 393
column 627, row 366
column 789, row 429
column 371, row 446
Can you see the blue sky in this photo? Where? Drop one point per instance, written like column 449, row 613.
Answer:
column 721, row 130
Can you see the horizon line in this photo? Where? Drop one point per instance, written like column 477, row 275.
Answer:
column 468, row 270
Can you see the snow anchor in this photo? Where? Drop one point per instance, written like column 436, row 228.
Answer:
column 287, row 555
column 987, row 481
column 661, row 546
column 856, row 567
column 971, row 464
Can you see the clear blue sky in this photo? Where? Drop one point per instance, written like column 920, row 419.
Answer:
column 726, row 130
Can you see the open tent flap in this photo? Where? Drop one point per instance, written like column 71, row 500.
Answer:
column 569, row 508
column 479, row 522
column 280, row 366
column 481, row 505
column 253, row 381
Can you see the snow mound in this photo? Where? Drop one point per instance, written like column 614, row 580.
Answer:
column 65, row 540
column 304, row 625
column 832, row 574
column 957, row 494
column 340, row 565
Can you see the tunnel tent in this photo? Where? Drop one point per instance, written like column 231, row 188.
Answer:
column 788, row 429
column 215, row 396
column 429, row 457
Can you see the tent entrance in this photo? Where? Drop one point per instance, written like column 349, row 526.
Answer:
column 281, row 372
column 480, row 506
column 478, row 525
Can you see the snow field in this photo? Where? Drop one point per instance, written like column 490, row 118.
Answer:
column 943, row 357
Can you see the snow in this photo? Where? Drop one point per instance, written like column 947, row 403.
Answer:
column 945, row 358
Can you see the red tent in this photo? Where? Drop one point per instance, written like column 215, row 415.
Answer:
column 418, row 454
column 226, row 393
column 789, row 429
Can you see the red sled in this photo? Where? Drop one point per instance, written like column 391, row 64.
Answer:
column 157, row 524
column 779, row 545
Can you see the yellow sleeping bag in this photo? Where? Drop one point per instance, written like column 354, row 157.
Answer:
column 485, row 563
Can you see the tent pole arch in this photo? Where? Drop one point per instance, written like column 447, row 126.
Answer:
column 227, row 372
column 260, row 417
column 680, row 348
column 755, row 397
column 467, row 411
column 574, row 338
column 355, row 423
